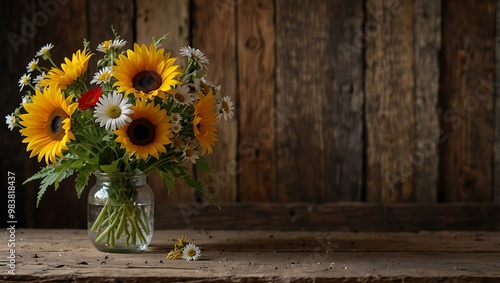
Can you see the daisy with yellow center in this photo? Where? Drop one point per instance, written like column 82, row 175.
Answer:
column 113, row 111
column 205, row 118
column 45, row 50
column 102, row 76
column 145, row 72
column 191, row 252
column 226, row 108
column 48, row 123
column 70, row 71
column 32, row 65
column 148, row 133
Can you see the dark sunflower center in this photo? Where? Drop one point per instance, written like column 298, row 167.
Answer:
column 141, row 132
column 146, row 81
column 179, row 97
column 54, row 126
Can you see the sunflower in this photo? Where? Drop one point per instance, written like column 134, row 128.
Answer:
column 147, row 133
column 145, row 72
column 204, row 121
column 48, row 123
column 70, row 71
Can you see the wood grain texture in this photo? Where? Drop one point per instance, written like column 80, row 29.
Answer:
column 496, row 146
column 61, row 208
column 104, row 14
column 214, row 33
column 156, row 18
column 389, row 102
column 467, row 101
column 319, row 148
column 17, row 48
column 263, row 256
column 353, row 216
column 256, row 92
column 427, row 44
column 343, row 99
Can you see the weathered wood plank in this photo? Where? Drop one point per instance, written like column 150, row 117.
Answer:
column 214, row 33
column 156, row 18
column 332, row 113
column 496, row 148
column 389, row 105
column 468, row 117
column 259, row 256
column 102, row 15
column 16, row 51
column 343, row 99
column 256, row 92
column 425, row 156
column 66, row 30
column 336, row 216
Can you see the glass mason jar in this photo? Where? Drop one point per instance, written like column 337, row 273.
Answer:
column 120, row 212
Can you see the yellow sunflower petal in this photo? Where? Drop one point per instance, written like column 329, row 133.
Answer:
column 48, row 123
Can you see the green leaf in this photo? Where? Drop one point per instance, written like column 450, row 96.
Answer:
column 111, row 168
column 169, row 179
column 52, row 175
column 197, row 185
column 82, row 179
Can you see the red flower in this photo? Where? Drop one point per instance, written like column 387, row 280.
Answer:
column 90, row 98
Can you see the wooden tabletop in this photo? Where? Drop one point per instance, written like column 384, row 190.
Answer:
column 249, row 256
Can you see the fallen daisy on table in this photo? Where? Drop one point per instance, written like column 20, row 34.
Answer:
column 191, row 252
column 185, row 250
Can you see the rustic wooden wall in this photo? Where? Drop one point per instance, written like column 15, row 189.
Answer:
column 387, row 104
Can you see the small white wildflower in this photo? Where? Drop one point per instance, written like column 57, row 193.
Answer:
column 44, row 50
column 11, row 121
column 199, row 56
column 191, row 252
column 24, row 81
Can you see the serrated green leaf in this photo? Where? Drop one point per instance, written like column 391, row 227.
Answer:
column 82, row 179
column 169, row 179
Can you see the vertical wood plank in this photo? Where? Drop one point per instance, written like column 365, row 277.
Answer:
column 467, row 100
column 342, row 111
column 425, row 156
column 66, row 30
column 496, row 148
column 16, row 50
column 156, row 18
column 101, row 16
column 214, row 33
column 319, row 95
column 389, row 88
column 256, row 93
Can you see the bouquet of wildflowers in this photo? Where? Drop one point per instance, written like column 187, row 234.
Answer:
column 141, row 112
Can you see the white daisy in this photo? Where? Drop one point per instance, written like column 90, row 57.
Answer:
column 191, row 252
column 108, row 44
column 176, row 128
column 102, row 76
column 24, row 81
column 25, row 99
column 117, row 43
column 203, row 85
column 11, row 121
column 178, row 143
column 38, row 78
column 175, row 118
column 44, row 50
column 111, row 111
column 191, row 52
column 32, row 65
column 225, row 108
column 182, row 95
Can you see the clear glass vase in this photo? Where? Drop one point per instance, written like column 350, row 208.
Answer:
column 120, row 213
